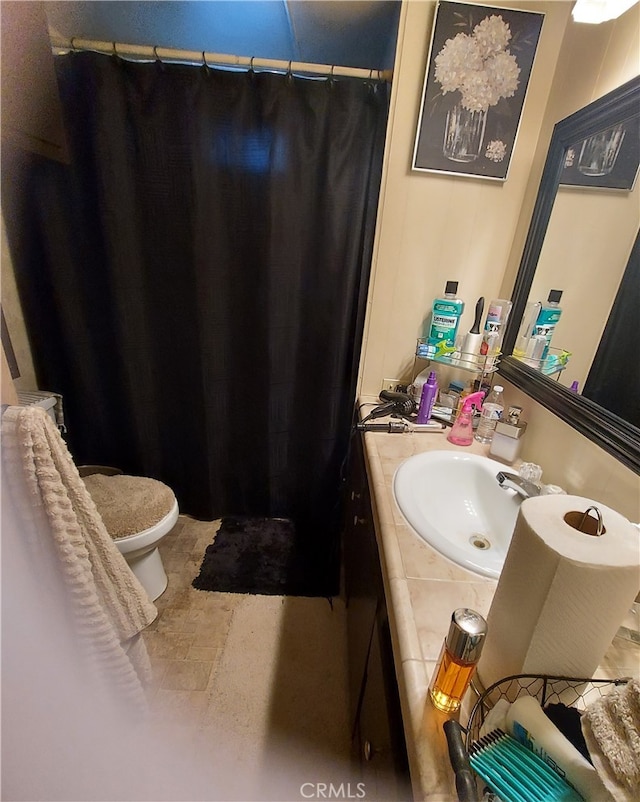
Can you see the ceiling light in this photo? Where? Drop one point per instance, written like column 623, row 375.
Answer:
column 596, row 11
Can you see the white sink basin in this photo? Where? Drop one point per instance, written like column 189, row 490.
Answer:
column 454, row 503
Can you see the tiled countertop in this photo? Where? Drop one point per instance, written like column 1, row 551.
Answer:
column 422, row 589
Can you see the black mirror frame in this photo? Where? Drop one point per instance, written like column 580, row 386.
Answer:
column 615, row 435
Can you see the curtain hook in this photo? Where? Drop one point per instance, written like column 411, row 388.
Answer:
column 371, row 86
column 73, row 47
column 159, row 61
column 290, row 72
column 330, row 78
column 251, row 72
column 115, row 53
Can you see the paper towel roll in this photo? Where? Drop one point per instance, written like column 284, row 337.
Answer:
column 562, row 593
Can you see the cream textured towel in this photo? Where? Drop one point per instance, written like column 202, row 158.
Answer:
column 110, row 606
column 611, row 729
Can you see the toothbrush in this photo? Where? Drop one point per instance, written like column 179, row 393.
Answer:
column 442, row 349
column 526, row 329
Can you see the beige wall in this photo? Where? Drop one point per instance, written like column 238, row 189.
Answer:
column 572, row 461
column 432, row 228
column 8, row 393
column 14, row 318
column 587, row 229
column 585, row 252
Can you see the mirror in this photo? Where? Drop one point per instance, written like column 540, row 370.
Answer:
column 617, row 435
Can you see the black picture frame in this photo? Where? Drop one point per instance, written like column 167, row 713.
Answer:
column 478, row 71
column 607, row 159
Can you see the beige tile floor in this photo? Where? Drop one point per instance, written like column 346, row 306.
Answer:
column 249, row 700
column 255, row 686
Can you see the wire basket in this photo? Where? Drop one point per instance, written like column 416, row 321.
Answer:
column 571, row 691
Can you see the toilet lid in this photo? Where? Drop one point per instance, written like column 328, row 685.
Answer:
column 129, row 504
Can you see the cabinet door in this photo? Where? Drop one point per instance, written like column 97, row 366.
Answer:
column 363, row 580
column 384, row 767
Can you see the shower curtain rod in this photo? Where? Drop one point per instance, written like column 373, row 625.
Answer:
column 148, row 53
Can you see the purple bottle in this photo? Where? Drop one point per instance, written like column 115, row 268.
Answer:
column 427, row 399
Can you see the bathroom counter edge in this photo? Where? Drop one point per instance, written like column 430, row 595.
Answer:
column 415, row 575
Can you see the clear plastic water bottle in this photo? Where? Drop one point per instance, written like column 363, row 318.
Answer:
column 492, row 410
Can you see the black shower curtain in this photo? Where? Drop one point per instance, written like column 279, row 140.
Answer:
column 194, row 282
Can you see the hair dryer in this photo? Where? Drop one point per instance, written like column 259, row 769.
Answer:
column 399, row 403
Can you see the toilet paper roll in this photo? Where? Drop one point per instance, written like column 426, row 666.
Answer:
column 562, row 593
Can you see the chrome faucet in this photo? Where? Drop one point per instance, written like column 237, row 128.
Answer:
column 523, row 487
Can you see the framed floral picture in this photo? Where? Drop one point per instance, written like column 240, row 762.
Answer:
column 608, row 159
column 476, row 81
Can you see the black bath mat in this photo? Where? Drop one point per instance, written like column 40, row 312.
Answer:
column 262, row 556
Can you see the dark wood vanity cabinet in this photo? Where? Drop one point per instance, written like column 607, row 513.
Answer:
column 378, row 746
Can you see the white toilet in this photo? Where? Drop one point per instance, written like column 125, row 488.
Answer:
column 138, row 512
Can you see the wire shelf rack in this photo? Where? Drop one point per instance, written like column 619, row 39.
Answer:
column 571, row 691
column 455, row 358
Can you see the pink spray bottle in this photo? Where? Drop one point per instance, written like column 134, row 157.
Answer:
column 461, row 433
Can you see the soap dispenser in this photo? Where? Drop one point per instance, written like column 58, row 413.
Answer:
column 461, row 433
